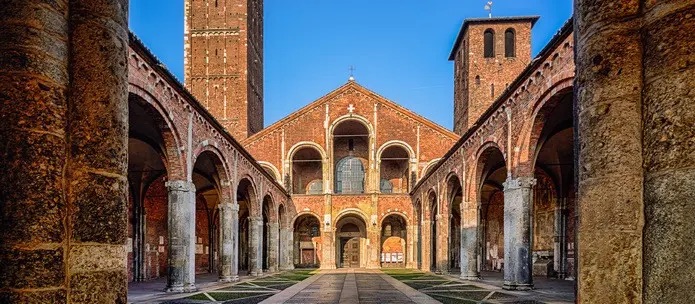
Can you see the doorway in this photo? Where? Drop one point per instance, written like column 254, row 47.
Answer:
column 350, row 256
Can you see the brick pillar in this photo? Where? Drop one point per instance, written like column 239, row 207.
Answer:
column 469, row 241
column 518, row 198
column 181, row 213
column 255, row 246
column 63, row 153
column 608, row 120
column 226, row 250
column 273, row 243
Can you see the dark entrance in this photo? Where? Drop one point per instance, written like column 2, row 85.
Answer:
column 350, row 257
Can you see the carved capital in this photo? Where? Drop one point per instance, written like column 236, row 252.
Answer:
column 179, row 185
column 517, row 183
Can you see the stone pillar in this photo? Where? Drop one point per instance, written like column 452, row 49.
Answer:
column 518, row 199
column 234, row 226
column 411, row 240
column 608, row 136
column 273, row 243
column 442, row 243
column 255, row 246
column 469, row 241
column 181, row 274
column 426, row 245
column 286, row 249
column 63, row 153
column 226, row 250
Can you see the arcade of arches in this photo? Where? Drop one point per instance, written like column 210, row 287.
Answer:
column 580, row 172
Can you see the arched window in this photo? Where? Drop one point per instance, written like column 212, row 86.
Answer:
column 315, row 187
column 386, row 186
column 349, row 176
column 489, row 41
column 477, row 80
column 509, row 43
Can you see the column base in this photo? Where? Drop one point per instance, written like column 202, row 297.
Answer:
column 291, row 267
column 328, row 267
column 470, row 277
column 226, row 279
column 181, row 289
column 516, row 286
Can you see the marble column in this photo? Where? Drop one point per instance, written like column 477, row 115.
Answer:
column 255, row 246
column 469, row 241
column 226, row 250
column 518, row 199
column 181, row 213
column 273, row 243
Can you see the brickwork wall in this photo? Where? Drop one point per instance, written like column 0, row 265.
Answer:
column 544, row 203
column 494, row 231
column 202, row 235
column 478, row 81
column 156, row 237
column 224, row 61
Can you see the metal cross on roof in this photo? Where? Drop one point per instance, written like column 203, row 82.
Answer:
column 352, row 71
column 488, row 8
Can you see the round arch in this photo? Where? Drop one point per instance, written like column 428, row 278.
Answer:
column 304, row 144
column 429, row 166
column 398, row 143
column 272, row 169
column 349, row 117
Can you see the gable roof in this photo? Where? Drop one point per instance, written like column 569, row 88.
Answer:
column 470, row 21
column 351, row 84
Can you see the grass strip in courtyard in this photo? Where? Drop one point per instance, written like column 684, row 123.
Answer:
column 250, row 292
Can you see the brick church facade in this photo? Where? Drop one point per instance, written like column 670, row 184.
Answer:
column 576, row 164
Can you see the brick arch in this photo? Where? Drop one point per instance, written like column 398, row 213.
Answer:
column 398, row 143
column 276, row 172
column 533, row 125
column 475, row 181
column 447, row 180
column 429, row 166
column 303, row 213
column 304, row 144
column 254, row 205
column 354, row 117
column 351, row 211
column 175, row 166
column 272, row 211
column 397, row 213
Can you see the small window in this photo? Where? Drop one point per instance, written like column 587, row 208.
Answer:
column 492, row 90
column 386, row 186
column 509, row 43
column 477, row 80
column 489, row 43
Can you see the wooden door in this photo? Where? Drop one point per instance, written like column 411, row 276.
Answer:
column 351, row 253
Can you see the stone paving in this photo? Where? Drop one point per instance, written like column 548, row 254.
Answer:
column 371, row 286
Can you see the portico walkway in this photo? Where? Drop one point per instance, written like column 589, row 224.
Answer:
column 350, row 286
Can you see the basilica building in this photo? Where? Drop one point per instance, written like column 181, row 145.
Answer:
column 576, row 164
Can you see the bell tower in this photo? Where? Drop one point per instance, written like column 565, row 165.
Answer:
column 489, row 54
column 223, row 64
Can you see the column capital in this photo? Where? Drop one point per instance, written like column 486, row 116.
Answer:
column 520, row 182
column 180, row 185
column 228, row 207
column 255, row 219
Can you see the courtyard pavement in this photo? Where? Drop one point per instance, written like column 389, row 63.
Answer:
column 357, row 286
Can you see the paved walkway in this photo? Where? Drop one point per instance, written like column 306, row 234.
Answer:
column 345, row 286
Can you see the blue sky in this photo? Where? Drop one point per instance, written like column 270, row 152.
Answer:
column 399, row 48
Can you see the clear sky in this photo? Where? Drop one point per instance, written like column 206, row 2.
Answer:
column 399, row 48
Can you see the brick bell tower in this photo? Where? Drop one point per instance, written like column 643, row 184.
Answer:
column 223, row 64
column 488, row 55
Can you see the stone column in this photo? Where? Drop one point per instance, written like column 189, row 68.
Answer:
column 608, row 136
column 469, row 241
column 255, row 248
column 181, row 274
column 426, row 245
column 226, row 250
column 286, row 249
column 63, row 153
column 273, row 243
column 411, row 239
column 518, row 199
column 442, row 243
column 234, row 226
